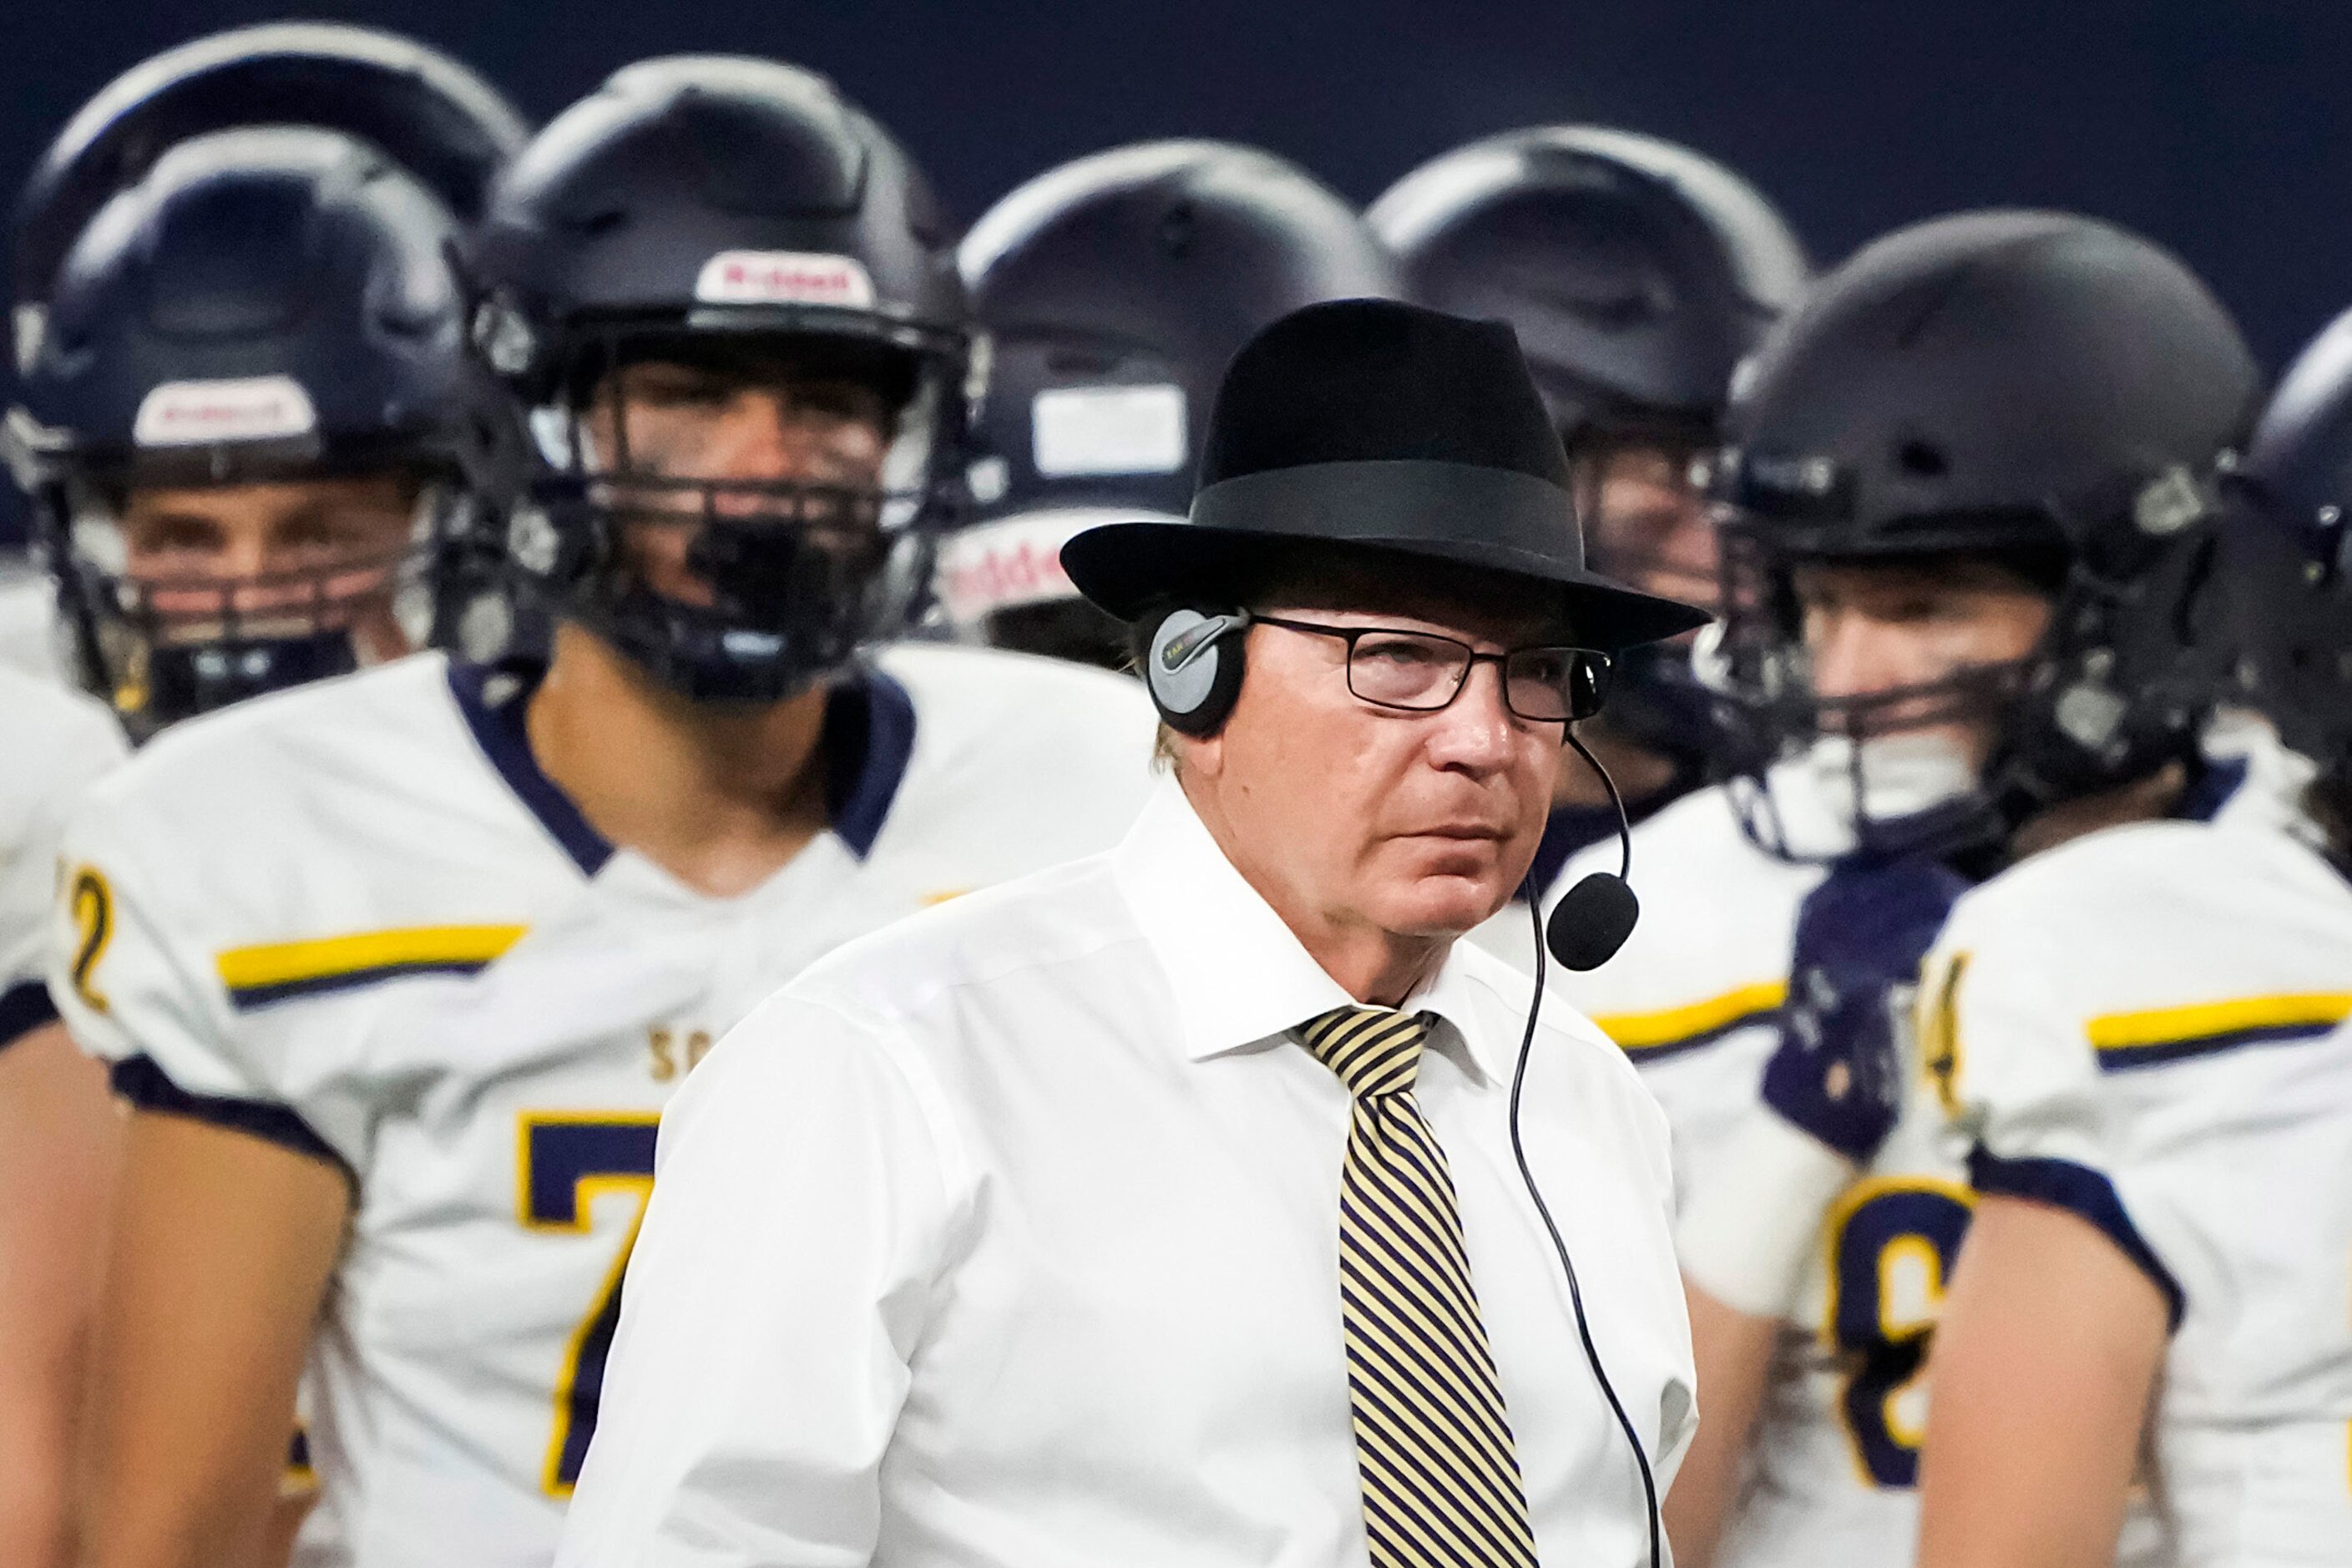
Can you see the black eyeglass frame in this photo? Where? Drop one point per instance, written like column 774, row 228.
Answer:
column 1594, row 661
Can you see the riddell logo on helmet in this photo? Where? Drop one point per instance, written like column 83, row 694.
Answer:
column 783, row 278
column 1003, row 565
column 198, row 413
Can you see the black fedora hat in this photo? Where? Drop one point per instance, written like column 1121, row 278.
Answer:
column 1383, row 427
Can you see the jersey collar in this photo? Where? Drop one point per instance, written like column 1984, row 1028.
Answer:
column 868, row 741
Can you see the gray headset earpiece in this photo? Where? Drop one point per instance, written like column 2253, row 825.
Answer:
column 1192, row 674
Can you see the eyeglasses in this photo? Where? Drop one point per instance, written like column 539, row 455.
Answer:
column 1421, row 672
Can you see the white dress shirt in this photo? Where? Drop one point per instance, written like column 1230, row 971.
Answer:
column 1008, row 1238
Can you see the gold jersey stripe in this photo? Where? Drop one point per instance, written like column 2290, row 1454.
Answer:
column 270, row 964
column 1669, row 1027
column 2207, row 1020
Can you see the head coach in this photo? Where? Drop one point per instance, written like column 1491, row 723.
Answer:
column 1163, row 1208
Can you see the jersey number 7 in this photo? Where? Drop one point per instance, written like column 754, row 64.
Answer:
column 564, row 1162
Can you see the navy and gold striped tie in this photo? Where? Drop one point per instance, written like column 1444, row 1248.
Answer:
column 1434, row 1454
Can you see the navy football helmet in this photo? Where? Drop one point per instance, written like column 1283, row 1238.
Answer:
column 740, row 217
column 433, row 117
column 2036, row 388
column 270, row 305
column 429, row 114
column 2276, row 610
column 1114, row 289
column 1637, row 275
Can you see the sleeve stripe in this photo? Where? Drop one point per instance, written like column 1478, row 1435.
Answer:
column 2128, row 1041
column 274, row 972
column 301, row 1477
column 1651, row 1035
column 146, row 1086
column 22, row 1009
column 2085, row 1194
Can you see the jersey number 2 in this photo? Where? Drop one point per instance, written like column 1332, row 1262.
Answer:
column 565, row 1162
column 1892, row 1246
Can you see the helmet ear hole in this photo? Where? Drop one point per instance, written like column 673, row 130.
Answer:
column 1193, row 667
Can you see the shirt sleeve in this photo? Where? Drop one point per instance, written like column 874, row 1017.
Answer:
column 129, row 982
column 130, row 973
column 28, row 875
column 2009, row 1055
column 75, row 753
column 804, row 1208
column 1746, row 1236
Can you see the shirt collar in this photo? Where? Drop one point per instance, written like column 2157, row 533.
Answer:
column 1239, row 974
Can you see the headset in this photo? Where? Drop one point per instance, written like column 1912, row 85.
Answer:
column 1193, row 678
column 1588, row 925
column 1193, row 670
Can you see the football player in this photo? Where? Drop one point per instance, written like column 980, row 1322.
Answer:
column 1962, row 490
column 27, row 616
column 434, row 116
column 1637, row 274
column 2141, row 1036
column 56, row 1133
column 246, row 398
column 170, row 352
column 1114, row 289
column 228, row 514
column 399, row 968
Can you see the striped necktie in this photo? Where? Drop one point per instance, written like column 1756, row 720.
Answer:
column 1434, row 1454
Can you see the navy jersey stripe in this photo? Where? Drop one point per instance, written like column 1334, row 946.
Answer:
column 2156, row 1053
column 22, row 1009
column 869, row 737
column 1660, row 1050
column 497, row 721
column 247, row 998
column 2088, row 1195
column 146, row 1086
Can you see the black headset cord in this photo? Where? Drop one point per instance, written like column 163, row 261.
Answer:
column 1527, row 1175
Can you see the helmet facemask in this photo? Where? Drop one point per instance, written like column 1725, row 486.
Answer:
column 739, row 505
column 1884, row 772
column 162, row 634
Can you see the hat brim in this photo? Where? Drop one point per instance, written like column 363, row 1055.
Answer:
column 1125, row 567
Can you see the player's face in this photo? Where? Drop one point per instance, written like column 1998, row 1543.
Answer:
column 1881, row 630
column 1419, row 824
column 279, row 559
column 735, row 428
column 1646, row 524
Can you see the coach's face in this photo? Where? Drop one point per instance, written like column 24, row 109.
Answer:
column 1346, row 814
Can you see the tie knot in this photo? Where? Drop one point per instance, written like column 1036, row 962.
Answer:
column 1373, row 1049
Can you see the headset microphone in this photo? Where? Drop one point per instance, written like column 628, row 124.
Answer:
column 1593, row 919
column 1604, row 919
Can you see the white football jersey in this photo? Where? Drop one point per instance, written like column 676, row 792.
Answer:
column 357, row 918
column 2147, row 1028
column 1695, row 994
column 57, row 742
column 28, row 619
column 1835, row 1454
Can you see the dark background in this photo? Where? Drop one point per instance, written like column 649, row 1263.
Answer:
column 2222, row 128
